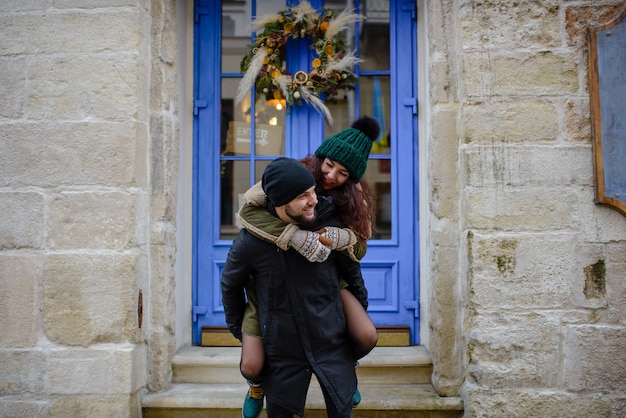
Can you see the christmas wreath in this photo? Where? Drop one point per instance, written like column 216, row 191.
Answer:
column 330, row 71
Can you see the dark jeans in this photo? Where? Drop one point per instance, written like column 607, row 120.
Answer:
column 274, row 410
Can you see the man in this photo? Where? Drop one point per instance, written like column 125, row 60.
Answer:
column 300, row 310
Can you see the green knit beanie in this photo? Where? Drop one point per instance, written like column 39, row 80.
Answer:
column 351, row 147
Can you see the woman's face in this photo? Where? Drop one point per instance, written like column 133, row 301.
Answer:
column 333, row 174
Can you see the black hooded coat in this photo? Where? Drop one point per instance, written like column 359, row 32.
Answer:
column 301, row 315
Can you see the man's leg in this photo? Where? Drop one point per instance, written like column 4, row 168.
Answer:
column 331, row 409
column 276, row 411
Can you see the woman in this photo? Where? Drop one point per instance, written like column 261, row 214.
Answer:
column 338, row 167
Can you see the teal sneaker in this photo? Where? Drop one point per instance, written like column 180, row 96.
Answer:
column 356, row 399
column 253, row 404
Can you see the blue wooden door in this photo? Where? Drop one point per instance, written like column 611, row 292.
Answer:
column 233, row 142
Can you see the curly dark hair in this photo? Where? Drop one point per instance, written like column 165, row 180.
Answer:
column 354, row 201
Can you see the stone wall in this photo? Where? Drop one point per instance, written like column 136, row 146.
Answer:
column 88, row 148
column 527, row 276
column 530, row 319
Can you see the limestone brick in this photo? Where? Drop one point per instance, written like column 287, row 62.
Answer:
column 528, row 23
column 608, row 224
column 579, row 17
column 594, row 358
column 513, row 272
column 444, row 176
column 534, row 209
column 615, row 285
column 111, row 87
column 92, row 220
column 21, row 224
column 57, row 153
column 162, row 349
column 529, row 165
column 442, row 317
column 442, row 85
column 12, row 84
column 91, row 4
column 109, row 370
column 109, row 30
column 510, row 350
column 164, row 316
column 18, row 298
column 546, row 404
column 21, row 371
column 89, row 298
column 507, row 122
column 24, row 406
column 95, row 407
column 488, row 74
column 578, row 120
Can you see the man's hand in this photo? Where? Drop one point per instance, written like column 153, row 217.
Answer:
column 309, row 244
column 334, row 237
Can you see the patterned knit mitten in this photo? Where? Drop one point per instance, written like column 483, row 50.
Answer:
column 308, row 244
column 335, row 237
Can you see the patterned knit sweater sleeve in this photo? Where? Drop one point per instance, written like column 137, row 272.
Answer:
column 259, row 222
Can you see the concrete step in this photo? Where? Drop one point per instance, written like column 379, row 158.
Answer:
column 384, row 365
column 394, row 382
column 187, row 400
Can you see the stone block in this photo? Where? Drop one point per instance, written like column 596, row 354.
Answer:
column 110, row 370
column 106, row 220
column 162, row 349
column 91, row 4
column 525, row 210
column 50, row 154
column 528, row 165
column 12, row 87
column 594, row 358
column 18, row 297
column 528, row 23
column 514, row 350
column 22, row 406
column 96, row 407
column 509, row 122
column 531, row 272
column 21, row 371
column 49, row 33
column 608, row 224
column 90, row 298
column 21, row 224
column 615, row 284
column 489, row 74
column 440, row 23
column 579, row 17
column 163, row 284
column 441, row 83
column 546, row 404
column 444, row 314
column 12, row 6
column 444, row 175
column 112, row 88
column 578, row 120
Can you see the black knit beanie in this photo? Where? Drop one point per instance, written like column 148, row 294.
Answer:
column 284, row 179
column 351, row 147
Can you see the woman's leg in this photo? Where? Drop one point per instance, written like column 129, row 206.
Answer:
column 360, row 326
column 252, row 357
column 251, row 366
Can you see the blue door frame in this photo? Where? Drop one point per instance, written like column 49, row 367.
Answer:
column 391, row 267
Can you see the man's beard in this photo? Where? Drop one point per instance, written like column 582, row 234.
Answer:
column 300, row 219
